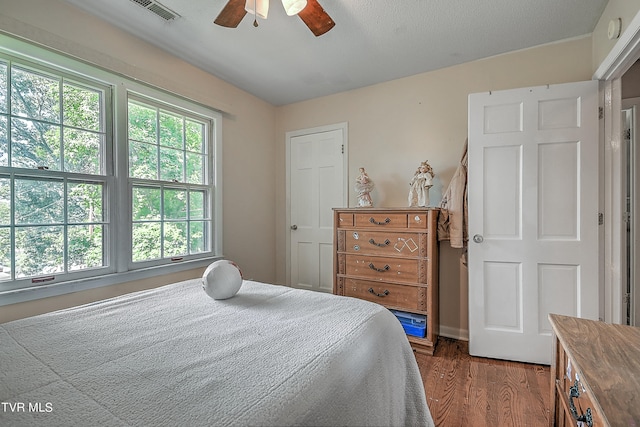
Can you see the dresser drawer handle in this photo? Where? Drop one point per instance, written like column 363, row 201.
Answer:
column 586, row 417
column 386, row 221
column 384, row 294
column 383, row 244
column 381, row 270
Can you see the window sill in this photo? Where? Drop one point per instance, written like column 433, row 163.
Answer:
column 44, row 291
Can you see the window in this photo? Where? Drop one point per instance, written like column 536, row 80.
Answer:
column 52, row 184
column 99, row 175
column 168, row 164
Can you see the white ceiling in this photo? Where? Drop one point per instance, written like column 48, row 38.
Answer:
column 373, row 41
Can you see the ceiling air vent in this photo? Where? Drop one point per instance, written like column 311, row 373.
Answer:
column 158, row 9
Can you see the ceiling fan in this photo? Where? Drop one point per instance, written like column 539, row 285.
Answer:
column 310, row 11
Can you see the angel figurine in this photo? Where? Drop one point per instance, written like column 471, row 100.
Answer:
column 364, row 186
column 420, row 185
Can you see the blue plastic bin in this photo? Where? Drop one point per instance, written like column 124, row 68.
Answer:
column 413, row 324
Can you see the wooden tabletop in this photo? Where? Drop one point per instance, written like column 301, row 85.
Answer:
column 608, row 359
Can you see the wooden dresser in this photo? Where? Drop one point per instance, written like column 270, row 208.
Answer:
column 390, row 256
column 595, row 373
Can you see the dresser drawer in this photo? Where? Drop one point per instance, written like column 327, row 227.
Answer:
column 390, row 295
column 575, row 405
column 574, row 402
column 344, row 219
column 380, row 220
column 385, row 268
column 386, row 243
column 418, row 221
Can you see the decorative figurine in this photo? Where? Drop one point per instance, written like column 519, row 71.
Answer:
column 420, row 184
column 364, row 186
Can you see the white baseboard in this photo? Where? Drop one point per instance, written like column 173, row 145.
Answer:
column 454, row 333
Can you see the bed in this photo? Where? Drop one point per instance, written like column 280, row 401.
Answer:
column 172, row 356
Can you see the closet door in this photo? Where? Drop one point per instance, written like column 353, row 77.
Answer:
column 317, row 184
column 533, row 216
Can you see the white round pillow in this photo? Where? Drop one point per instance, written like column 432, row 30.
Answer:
column 222, row 279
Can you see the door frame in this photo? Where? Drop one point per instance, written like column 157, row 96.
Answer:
column 345, row 192
column 624, row 54
column 632, row 163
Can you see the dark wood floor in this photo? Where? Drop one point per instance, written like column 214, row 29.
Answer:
column 472, row 391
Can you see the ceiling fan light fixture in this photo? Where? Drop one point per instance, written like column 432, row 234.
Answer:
column 293, row 7
column 258, row 7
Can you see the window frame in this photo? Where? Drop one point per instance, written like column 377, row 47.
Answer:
column 16, row 173
column 185, row 109
column 119, row 266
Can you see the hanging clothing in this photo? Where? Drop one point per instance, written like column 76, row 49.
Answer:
column 453, row 218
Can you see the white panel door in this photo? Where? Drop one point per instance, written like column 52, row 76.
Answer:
column 533, row 216
column 316, row 186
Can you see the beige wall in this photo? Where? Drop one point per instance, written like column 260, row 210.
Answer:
column 394, row 125
column 32, row 308
column 624, row 9
column 631, row 82
column 248, row 127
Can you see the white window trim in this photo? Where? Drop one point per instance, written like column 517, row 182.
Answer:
column 120, row 265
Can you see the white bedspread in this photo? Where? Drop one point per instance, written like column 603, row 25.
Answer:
column 172, row 356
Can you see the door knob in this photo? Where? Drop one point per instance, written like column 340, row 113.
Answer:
column 478, row 238
column 294, row 227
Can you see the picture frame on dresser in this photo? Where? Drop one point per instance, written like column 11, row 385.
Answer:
column 390, row 256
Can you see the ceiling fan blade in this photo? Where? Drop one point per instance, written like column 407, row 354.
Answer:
column 318, row 21
column 231, row 14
